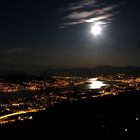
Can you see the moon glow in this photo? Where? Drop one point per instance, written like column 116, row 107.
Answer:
column 96, row 29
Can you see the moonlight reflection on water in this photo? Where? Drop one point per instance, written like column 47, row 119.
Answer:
column 95, row 84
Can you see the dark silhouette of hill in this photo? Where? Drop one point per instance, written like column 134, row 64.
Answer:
column 116, row 70
column 93, row 71
column 112, row 117
column 19, row 78
column 73, row 72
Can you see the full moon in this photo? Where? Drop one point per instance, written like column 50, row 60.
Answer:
column 96, row 29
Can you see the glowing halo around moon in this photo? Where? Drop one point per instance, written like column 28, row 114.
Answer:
column 96, row 29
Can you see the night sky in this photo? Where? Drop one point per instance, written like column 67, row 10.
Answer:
column 48, row 34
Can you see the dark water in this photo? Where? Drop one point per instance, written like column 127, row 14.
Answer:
column 4, row 97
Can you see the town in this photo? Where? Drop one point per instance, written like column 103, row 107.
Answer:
column 47, row 92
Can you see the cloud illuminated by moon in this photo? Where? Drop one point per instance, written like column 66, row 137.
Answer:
column 89, row 11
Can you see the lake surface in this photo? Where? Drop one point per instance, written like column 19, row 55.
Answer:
column 92, row 83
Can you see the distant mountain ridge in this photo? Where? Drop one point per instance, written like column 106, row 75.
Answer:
column 94, row 71
column 79, row 71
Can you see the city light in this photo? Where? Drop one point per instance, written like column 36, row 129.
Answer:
column 19, row 109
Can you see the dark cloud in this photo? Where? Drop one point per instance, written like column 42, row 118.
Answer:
column 12, row 50
column 79, row 5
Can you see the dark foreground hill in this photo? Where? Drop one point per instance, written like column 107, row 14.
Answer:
column 112, row 117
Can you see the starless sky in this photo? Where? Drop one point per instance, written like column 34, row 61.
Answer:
column 41, row 34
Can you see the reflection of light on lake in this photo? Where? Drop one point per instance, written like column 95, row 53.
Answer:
column 95, row 84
